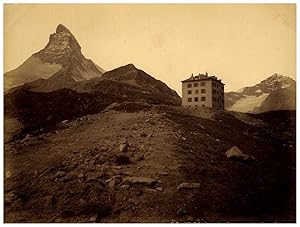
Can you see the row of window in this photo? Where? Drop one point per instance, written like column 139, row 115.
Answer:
column 196, row 99
column 196, row 84
column 204, row 91
column 203, row 84
column 197, row 91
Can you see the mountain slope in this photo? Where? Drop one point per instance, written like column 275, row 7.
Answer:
column 149, row 87
column 277, row 92
column 44, row 102
column 62, row 53
column 77, row 173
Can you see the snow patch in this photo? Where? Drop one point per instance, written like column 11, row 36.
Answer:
column 32, row 69
column 241, row 90
column 248, row 103
column 285, row 85
column 89, row 74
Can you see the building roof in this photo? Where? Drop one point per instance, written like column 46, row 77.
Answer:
column 202, row 77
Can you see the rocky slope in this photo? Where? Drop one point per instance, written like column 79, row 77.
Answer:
column 62, row 53
column 277, row 92
column 137, row 162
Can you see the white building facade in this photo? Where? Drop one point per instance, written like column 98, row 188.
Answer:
column 203, row 90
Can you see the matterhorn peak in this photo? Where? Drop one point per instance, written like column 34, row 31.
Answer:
column 62, row 47
column 61, row 28
column 60, row 57
column 276, row 76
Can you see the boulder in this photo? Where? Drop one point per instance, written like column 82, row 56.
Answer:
column 163, row 173
column 140, row 180
column 60, row 174
column 93, row 218
column 122, row 160
column 125, row 186
column 91, row 177
column 27, row 138
column 82, row 203
column 159, row 189
column 9, row 198
column 64, row 122
column 188, row 186
column 236, row 154
column 143, row 134
column 123, row 147
column 201, row 126
column 7, row 174
column 113, row 181
column 183, row 210
column 190, row 219
column 18, row 203
column 139, row 157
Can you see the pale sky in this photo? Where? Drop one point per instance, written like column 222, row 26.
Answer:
column 240, row 43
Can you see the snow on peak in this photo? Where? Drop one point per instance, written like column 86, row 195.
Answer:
column 276, row 81
column 277, row 78
column 62, row 44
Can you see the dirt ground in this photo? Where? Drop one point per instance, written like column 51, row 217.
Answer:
column 127, row 164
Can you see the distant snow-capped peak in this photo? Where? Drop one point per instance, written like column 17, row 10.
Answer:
column 276, row 81
column 272, row 83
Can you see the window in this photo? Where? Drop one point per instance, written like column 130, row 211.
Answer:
column 189, row 99
column 196, row 99
column 189, row 92
column 202, row 83
column 203, row 98
column 196, row 85
column 214, row 91
column 189, row 85
column 203, row 105
column 196, row 91
column 214, row 99
column 213, row 84
column 203, row 91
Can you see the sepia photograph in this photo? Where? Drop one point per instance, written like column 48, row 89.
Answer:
column 149, row 113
